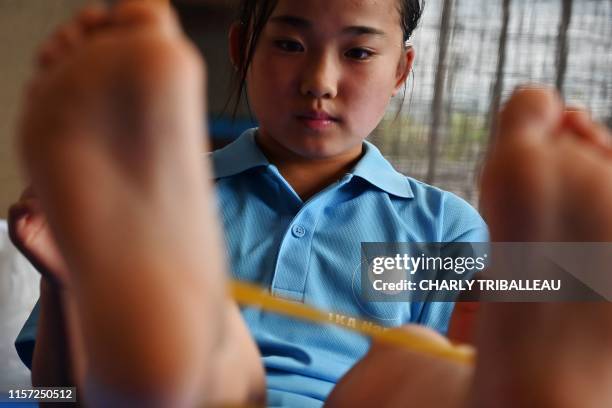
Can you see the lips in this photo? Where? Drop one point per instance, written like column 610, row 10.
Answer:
column 317, row 120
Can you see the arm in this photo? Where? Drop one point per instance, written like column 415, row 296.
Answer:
column 47, row 329
column 56, row 360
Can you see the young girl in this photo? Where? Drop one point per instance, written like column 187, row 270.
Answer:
column 299, row 194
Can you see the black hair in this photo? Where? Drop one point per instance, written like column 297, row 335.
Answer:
column 410, row 13
column 253, row 16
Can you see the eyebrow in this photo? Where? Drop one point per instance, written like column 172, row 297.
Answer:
column 302, row 23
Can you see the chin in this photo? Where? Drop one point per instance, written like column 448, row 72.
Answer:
column 317, row 149
column 324, row 152
column 312, row 153
column 317, row 145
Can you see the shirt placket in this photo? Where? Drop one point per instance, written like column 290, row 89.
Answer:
column 295, row 251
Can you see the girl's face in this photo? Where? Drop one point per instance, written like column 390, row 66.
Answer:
column 324, row 71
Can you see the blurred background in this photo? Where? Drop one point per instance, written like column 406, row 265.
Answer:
column 470, row 56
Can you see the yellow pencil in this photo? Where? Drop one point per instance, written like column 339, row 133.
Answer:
column 251, row 295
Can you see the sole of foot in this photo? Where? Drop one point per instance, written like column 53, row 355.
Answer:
column 112, row 138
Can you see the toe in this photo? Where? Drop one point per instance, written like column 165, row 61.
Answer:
column 92, row 18
column 68, row 37
column 531, row 112
column 47, row 54
column 579, row 122
column 157, row 14
column 61, row 43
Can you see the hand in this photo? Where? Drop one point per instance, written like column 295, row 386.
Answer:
column 30, row 233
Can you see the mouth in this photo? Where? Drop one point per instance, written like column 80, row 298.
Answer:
column 318, row 120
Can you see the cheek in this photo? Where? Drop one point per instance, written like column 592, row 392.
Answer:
column 368, row 98
column 269, row 80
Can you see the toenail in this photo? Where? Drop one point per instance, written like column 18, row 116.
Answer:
column 576, row 108
column 532, row 87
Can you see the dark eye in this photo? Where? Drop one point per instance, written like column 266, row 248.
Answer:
column 359, row 54
column 289, row 45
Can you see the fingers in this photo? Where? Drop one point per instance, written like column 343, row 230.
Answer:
column 24, row 213
column 27, row 193
column 28, row 231
column 19, row 215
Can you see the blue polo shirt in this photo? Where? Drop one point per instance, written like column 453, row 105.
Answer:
column 310, row 252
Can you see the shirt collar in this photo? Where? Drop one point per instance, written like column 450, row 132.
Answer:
column 241, row 155
column 244, row 154
column 377, row 170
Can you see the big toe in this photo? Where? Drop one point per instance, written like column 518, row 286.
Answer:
column 92, row 18
column 531, row 112
column 153, row 14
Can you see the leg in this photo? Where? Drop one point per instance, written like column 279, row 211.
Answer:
column 109, row 107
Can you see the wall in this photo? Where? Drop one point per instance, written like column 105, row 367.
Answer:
column 23, row 25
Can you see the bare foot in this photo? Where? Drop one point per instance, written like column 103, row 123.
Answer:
column 547, row 179
column 112, row 135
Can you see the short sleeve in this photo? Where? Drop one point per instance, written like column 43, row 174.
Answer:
column 27, row 338
column 460, row 223
column 19, row 290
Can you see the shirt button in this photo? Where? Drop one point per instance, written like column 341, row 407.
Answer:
column 298, row 231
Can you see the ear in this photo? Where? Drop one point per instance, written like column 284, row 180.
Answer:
column 403, row 68
column 234, row 43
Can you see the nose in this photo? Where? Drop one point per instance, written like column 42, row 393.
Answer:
column 320, row 77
